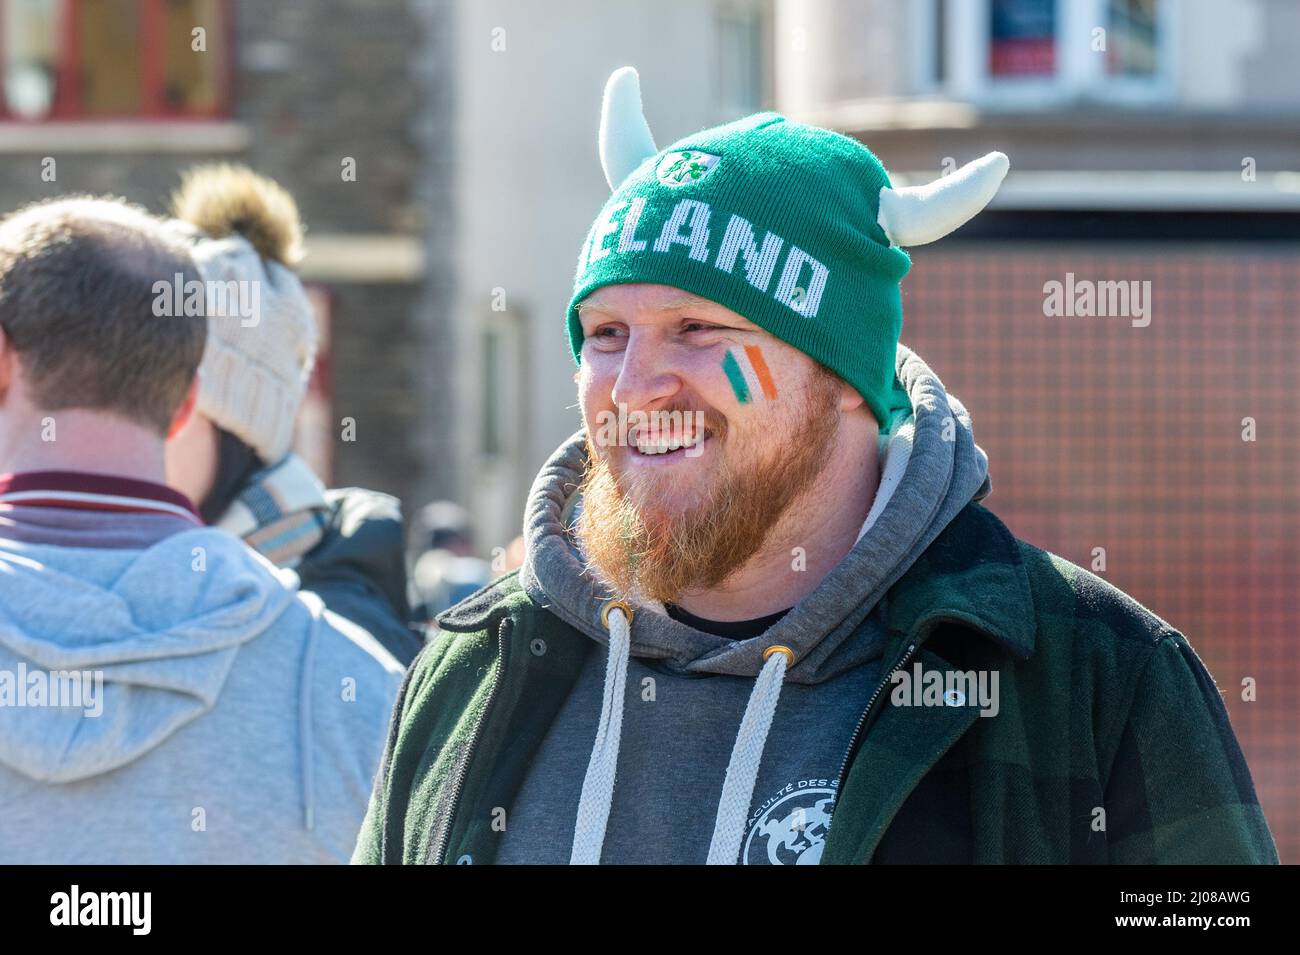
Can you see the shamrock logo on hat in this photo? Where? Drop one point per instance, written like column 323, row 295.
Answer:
column 681, row 168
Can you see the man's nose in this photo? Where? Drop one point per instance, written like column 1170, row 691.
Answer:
column 646, row 375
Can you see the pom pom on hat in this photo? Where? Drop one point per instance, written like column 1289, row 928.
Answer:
column 223, row 199
column 244, row 228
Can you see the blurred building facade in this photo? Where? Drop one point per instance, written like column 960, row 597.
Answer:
column 1061, row 86
column 343, row 102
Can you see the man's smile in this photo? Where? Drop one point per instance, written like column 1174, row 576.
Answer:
column 668, row 445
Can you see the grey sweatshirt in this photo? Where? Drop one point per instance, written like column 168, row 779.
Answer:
column 687, row 691
column 224, row 716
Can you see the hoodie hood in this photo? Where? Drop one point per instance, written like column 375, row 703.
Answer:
column 931, row 468
column 155, row 632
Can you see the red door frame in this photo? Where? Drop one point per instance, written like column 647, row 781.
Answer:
column 67, row 103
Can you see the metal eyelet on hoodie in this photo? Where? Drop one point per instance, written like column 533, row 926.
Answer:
column 466, row 859
column 954, row 697
column 780, row 648
column 622, row 605
column 538, row 647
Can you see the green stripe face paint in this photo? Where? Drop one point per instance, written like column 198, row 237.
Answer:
column 736, row 377
column 749, row 375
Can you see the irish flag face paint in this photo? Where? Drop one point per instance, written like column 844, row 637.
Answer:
column 748, row 374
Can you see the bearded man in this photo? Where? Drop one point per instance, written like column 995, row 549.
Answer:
column 769, row 621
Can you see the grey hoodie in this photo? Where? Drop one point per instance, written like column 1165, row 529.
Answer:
column 687, row 692
column 224, row 718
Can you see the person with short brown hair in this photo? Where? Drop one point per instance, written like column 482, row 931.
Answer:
column 156, row 675
column 78, row 284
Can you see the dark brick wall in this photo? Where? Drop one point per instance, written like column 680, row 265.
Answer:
column 343, row 88
column 374, row 370
column 1102, row 434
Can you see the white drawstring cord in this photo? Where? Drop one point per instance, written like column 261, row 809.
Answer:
column 598, row 786
column 742, row 770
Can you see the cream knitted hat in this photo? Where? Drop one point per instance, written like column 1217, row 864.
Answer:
column 261, row 331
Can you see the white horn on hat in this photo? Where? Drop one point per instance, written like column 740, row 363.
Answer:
column 625, row 139
column 915, row 215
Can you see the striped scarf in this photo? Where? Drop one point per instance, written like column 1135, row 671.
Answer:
column 281, row 513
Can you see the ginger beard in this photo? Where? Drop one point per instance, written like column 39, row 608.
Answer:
column 637, row 545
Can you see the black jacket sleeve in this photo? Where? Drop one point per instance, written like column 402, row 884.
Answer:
column 359, row 568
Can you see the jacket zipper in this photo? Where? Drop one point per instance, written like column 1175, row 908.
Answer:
column 459, row 782
column 857, row 732
column 862, row 722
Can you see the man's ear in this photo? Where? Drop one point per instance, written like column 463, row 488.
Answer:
column 8, row 358
column 850, row 398
column 182, row 415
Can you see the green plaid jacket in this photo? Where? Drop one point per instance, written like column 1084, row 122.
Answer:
column 1111, row 743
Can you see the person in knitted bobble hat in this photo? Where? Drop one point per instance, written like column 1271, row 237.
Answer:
column 234, row 456
column 763, row 617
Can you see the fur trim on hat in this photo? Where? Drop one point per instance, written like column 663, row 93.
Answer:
column 224, row 199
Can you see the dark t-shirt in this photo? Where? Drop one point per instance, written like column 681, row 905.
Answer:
column 731, row 629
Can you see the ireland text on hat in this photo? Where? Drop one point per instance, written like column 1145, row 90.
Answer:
column 803, row 278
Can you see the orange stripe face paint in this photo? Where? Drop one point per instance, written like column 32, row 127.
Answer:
column 764, row 374
column 748, row 374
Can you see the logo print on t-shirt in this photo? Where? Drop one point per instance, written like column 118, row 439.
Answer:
column 792, row 831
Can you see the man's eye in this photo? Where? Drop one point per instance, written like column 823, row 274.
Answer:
column 698, row 327
column 607, row 331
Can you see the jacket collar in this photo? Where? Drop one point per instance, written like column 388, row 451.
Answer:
column 93, row 491
column 971, row 574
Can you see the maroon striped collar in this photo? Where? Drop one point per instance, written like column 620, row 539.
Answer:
column 85, row 490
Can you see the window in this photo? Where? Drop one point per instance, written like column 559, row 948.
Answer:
column 1022, row 37
column 1133, row 31
column 102, row 59
column 28, row 28
column 1044, row 52
column 504, row 424
column 502, row 380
